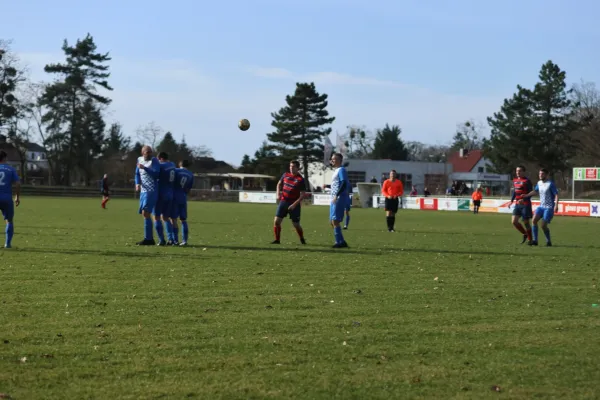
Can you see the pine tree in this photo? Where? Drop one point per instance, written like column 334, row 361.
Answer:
column 169, row 145
column 69, row 101
column 116, row 141
column 300, row 127
column 535, row 126
column 388, row 144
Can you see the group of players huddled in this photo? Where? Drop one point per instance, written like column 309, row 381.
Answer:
column 163, row 193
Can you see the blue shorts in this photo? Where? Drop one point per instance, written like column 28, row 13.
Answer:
column 8, row 209
column 179, row 210
column 337, row 209
column 348, row 206
column 523, row 210
column 163, row 206
column 546, row 213
column 283, row 211
column 147, row 201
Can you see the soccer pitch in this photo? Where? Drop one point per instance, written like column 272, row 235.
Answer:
column 448, row 306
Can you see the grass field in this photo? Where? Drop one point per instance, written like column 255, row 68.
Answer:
column 449, row 306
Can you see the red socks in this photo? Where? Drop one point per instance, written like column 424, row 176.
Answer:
column 529, row 234
column 300, row 233
column 277, row 232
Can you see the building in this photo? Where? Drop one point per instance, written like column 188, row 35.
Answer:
column 421, row 175
column 472, row 169
column 36, row 157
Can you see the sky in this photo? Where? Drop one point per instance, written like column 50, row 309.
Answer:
column 196, row 68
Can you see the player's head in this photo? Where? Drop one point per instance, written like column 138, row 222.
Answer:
column 520, row 171
column 294, row 167
column 163, row 156
column 336, row 160
column 3, row 156
column 184, row 164
column 543, row 174
column 147, row 152
column 394, row 175
column 105, row 176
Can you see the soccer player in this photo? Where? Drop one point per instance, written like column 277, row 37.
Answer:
column 392, row 189
column 8, row 178
column 184, row 181
column 291, row 189
column 340, row 197
column 164, row 203
column 522, row 210
column 146, row 182
column 104, row 189
column 548, row 206
column 477, row 197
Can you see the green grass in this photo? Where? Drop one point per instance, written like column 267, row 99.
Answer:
column 85, row 314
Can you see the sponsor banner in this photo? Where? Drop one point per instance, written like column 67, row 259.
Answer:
column 449, row 204
column 428, row 203
column 412, row 203
column 586, row 174
column 321, row 199
column 571, row 208
column 594, row 209
column 258, row 197
column 463, row 204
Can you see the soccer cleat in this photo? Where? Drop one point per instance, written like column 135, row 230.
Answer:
column 183, row 244
column 7, row 246
column 340, row 245
column 172, row 243
column 146, row 242
column 302, row 241
column 532, row 243
column 162, row 243
column 524, row 239
column 391, row 230
column 275, row 242
column 549, row 244
column 345, row 228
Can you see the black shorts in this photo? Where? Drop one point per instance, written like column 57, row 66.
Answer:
column 391, row 205
column 283, row 211
column 477, row 203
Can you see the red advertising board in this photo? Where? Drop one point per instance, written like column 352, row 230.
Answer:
column 569, row 208
column 591, row 174
column 428, row 203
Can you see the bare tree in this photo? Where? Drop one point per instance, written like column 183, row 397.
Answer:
column 12, row 76
column 468, row 136
column 150, row 134
column 201, row 151
column 587, row 96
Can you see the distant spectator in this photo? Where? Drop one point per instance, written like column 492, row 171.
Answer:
column 413, row 191
column 426, row 192
column 373, row 179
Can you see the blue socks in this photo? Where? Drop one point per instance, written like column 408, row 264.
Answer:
column 347, row 220
column 160, row 230
column 169, row 227
column 535, row 232
column 337, row 233
column 185, row 229
column 148, row 229
column 10, row 231
column 547, row 234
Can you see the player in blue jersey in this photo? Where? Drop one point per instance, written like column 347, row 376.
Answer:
column 164, row 203
column 340, row 188
column 8, row 178
column 146, row 182
column 184, row 181
column 548, row 206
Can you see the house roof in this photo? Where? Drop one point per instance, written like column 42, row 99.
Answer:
column 35, row 147
column 467, row 163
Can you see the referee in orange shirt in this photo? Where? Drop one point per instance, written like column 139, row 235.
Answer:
column 392, row 189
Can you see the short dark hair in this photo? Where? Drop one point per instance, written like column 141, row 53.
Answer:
column 296, row 163
column 3, row 155
column 184, row 163
column 522, row 167
column 394, row 171
column 338, row 155
column 163, row 155
column 544, row 170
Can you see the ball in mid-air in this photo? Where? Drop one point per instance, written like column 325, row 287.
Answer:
column 244, row 124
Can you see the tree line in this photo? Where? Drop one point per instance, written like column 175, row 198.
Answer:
column 551, row 125
column 69, row 117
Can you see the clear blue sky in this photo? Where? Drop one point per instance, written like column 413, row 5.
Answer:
column 196, row 68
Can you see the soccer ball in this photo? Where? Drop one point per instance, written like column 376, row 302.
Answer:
column 244, row 124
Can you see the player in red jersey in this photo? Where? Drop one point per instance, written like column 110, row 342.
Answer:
column 105, row 193
column 522, row 210
column 290, row 192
